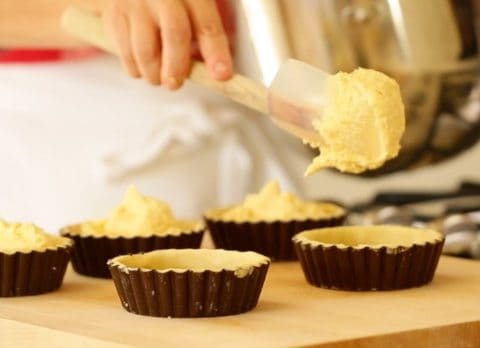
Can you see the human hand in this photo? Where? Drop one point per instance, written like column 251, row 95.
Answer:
column 154, row 38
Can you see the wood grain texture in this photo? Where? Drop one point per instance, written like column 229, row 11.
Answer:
column 290, row 313
column 15, row 334
column 466, row 335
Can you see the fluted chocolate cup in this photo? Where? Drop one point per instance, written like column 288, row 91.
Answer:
column 91, row 253
column 189, row 282
column 363, row 258
column 270, row 238
column 34, row 272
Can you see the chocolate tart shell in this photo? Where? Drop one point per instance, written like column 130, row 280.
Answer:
column 272, row 239
column 188, row 294
column 367, row 268
column 33, row 273
column 90, row 254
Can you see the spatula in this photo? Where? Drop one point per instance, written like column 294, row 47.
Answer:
column 295, row 98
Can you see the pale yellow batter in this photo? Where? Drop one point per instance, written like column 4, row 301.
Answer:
column 26, row 237
column 271, row 204
column 139, row 215
column 363, row 123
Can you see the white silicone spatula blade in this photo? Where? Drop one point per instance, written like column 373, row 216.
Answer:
column 297, row 97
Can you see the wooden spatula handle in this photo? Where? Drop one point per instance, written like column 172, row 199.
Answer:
column 88, row 27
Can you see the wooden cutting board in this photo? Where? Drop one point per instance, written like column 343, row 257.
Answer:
column 86, row 312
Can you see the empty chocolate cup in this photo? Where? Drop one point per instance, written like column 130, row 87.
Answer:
column 91, row 253
column 189, row 282
column 270, row 238
column 35, row 272
column 360, row 258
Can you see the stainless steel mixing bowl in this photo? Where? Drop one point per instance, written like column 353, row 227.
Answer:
column 430, row 47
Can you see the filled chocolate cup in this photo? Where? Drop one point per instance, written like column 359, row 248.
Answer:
column 189, row 282
column 35, row 272
column 270, row 238
column 361, row 258
column 91, row 253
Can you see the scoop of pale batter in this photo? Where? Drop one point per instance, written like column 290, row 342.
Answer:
column 272, row 204
column 26, row 237
column 139, row 215
column 362, row 124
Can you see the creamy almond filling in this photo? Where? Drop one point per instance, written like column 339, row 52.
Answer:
column 137, row 215
column 26, row 237
column 363, row 123
column 271, row 204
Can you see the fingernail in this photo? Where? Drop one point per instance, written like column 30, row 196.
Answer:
column 173, row 83
column 220, row 68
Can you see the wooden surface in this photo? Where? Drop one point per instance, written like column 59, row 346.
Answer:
column 87, row 312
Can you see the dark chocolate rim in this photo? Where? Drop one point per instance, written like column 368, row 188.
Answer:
column 91, row 253
column 272, row 239
column 188, row 294
column 33, row 273
column 365, row 269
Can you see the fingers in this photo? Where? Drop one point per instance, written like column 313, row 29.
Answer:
column 154, row 38
column 176, row 38
column 211, row 37
column 117, row 26
column 145, row 39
